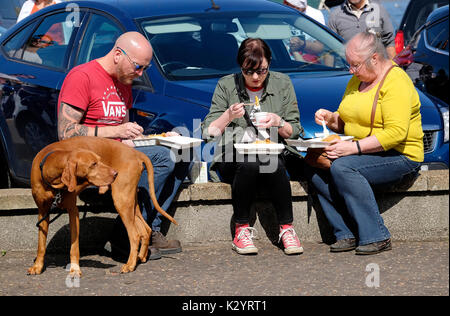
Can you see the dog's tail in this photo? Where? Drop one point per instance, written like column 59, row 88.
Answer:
column 151, row 185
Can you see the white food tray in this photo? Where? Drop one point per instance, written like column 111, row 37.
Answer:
column 251, row 149
column 177, row 142
column 314, row 142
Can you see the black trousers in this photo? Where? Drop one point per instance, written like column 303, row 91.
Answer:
column 250, row 177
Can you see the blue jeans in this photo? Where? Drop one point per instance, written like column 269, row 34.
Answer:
column 168, row 176
column 346, row 192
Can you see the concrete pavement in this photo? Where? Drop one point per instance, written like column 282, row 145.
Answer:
column 213, row 269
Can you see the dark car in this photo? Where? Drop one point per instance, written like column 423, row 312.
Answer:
column 414, row 17
column 425, row 58
column 195, row 43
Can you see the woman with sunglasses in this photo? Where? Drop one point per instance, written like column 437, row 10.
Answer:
column 233, row 105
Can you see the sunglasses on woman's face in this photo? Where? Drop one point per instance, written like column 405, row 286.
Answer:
column 137, row 67
column 250, row 72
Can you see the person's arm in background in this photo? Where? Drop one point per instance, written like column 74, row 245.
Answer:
column 388, row 35
column 25, row 10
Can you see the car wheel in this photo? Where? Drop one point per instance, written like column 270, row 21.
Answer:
column 5, row 177
column 35, row 136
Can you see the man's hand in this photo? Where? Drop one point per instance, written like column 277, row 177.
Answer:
column 130, row 142
column 296, row 44
column 129, row 130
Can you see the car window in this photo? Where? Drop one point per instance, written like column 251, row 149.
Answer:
column 99, row 38
column 437, row 35
column 194, row 47
column 13, row 47
column 418, row 14
column 48, row 44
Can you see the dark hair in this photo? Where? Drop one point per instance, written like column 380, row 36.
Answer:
column 251, row 53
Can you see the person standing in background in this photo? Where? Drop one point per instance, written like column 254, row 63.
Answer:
column 302, row 6
column 32, row 6
column 356, row 16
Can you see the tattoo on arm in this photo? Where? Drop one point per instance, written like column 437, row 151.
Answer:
column 69, row 119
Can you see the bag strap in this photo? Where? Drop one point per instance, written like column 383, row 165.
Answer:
column 375, row 101
column 241, row 95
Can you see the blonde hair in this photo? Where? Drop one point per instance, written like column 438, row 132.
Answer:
column 366, row 44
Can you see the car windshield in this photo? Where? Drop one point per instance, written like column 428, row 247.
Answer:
column 205, row 46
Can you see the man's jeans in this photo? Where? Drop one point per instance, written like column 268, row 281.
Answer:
column 168, row 176
column 346, row 195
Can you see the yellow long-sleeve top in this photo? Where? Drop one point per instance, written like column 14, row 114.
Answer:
column 397, row 122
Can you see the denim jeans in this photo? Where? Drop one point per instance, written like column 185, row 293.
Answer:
column 346, row 192
column 168, row 176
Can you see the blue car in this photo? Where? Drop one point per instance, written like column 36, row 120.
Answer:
column 425, row 58
column 195, row 43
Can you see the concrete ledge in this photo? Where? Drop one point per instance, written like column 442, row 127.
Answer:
column 428, row 181
column 415, row 210
column 412, row 211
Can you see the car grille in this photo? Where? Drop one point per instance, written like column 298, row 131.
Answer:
column 429, row 141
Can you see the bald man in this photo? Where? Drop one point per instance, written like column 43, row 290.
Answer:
column 95, row 99
column 99, row 107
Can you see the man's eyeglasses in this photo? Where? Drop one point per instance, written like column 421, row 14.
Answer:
column 137, row 67
column 250, row 72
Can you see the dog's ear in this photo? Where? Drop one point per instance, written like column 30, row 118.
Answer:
column 69, row 177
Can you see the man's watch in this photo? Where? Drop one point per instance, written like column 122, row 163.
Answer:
column 282, row 122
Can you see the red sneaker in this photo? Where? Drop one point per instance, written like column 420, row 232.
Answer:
column 290, row 240
column 243, row 243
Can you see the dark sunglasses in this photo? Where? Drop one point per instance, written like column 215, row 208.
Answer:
column 137, row 67
column 250, row 72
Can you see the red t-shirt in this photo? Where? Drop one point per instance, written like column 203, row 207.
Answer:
column 103, row 99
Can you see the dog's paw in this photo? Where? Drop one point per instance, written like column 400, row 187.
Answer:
column 75, row 273
column 127, row 268
column 34, row 270
column 143, row 258
column 143, row 255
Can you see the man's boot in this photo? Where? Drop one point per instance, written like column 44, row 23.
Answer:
column 165, row 246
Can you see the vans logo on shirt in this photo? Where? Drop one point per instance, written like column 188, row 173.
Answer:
column 113, row 108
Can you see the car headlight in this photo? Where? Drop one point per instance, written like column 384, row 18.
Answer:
column 444, row 112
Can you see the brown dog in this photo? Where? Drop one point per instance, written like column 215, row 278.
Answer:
column 75, row 163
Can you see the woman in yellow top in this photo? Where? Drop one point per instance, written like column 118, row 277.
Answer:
column 393, row 149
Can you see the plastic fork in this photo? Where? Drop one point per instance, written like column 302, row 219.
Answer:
column 326, row 132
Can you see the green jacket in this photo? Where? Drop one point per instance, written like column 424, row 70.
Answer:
column 278, row 97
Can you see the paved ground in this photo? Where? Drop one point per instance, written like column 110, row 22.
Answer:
column 411, row 268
